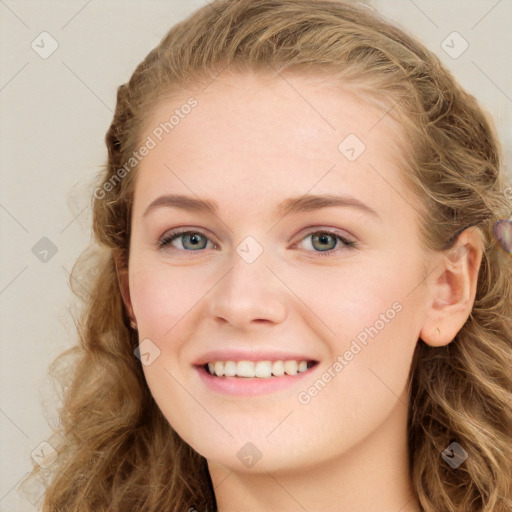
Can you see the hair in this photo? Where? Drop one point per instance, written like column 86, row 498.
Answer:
column 117, row 451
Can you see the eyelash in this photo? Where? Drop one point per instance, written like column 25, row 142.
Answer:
column 348, row 244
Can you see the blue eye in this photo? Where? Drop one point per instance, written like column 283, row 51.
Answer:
column 191, row 238
column 323, row 242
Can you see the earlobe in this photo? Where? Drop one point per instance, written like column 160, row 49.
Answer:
column 124, row 288
column 452, row 288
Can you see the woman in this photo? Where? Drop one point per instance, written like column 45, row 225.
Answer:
column 297, row 301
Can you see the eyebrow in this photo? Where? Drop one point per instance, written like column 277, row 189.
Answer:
column 306, row 203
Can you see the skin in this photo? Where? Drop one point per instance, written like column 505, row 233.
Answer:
column 250, row 143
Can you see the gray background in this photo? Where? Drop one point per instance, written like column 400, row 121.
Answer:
column 55, row 112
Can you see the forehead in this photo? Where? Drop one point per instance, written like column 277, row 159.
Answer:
column 252, row 137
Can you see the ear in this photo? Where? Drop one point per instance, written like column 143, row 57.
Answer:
column 124, row 287
column 452, row 289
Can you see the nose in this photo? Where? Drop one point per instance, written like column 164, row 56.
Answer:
column 248, row 294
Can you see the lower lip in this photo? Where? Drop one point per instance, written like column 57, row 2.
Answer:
column 250, row 386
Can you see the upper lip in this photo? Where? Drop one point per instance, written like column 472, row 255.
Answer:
column 244, row 355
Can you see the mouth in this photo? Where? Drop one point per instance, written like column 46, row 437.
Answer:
column 258, row 369
column 249, row 378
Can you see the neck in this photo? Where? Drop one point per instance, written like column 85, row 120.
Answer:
column 373, row 476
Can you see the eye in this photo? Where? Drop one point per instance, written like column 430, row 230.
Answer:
column 185, row 240
column 326, row 243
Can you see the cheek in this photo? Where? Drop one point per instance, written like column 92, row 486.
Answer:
column 163, row 300
column 366, row 300
column 162, row 297
column 372, row 319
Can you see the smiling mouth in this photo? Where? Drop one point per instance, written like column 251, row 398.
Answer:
column 258, row 369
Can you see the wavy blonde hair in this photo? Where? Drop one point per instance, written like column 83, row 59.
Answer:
column 117, row 452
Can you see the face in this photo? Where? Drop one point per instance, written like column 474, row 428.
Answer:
column 270, row 272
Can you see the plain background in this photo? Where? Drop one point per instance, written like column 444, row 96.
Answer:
column 55, row 113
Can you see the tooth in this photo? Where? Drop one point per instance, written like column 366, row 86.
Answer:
column 263, row 369
column 278, row 368
column 245, row 369
column 219, row 368
column 229, row 368
column 290, row 367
